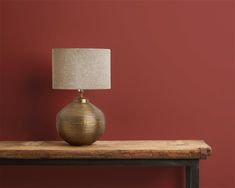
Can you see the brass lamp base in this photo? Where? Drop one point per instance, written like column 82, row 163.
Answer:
column 80, row 122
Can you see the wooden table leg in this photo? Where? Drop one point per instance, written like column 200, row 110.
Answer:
column 192, row 175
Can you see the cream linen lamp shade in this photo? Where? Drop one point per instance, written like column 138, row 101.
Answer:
column 80, row 68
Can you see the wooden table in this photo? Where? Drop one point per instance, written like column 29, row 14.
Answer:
column 186, row 153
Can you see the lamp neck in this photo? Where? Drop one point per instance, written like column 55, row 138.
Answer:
column 81, row 92
column 81, row 97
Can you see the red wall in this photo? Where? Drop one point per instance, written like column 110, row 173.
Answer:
column 172, row 78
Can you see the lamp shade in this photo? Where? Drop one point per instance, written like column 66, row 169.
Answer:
column 80, row 68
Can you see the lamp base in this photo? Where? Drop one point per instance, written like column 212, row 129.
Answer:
column 80, row 122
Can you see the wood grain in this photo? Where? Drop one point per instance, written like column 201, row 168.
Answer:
column 139, row 149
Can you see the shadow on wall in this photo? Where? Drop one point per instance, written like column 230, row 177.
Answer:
column 40, row 121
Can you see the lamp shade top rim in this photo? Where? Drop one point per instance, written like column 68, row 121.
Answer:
column 81, row 49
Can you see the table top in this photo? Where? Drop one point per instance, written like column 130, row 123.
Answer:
column 135, row 149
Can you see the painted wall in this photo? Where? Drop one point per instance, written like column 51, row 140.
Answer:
column 172, row 78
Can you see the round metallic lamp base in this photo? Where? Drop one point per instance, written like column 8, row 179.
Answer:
column 80, row 122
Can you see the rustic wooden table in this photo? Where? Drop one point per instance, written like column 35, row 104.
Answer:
column 186, row 153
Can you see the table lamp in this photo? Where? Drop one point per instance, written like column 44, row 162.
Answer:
column 80, row 122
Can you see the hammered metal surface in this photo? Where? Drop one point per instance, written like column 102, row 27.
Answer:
column 80, row 123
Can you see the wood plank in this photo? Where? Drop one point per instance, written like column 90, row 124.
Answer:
column 139, row 149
